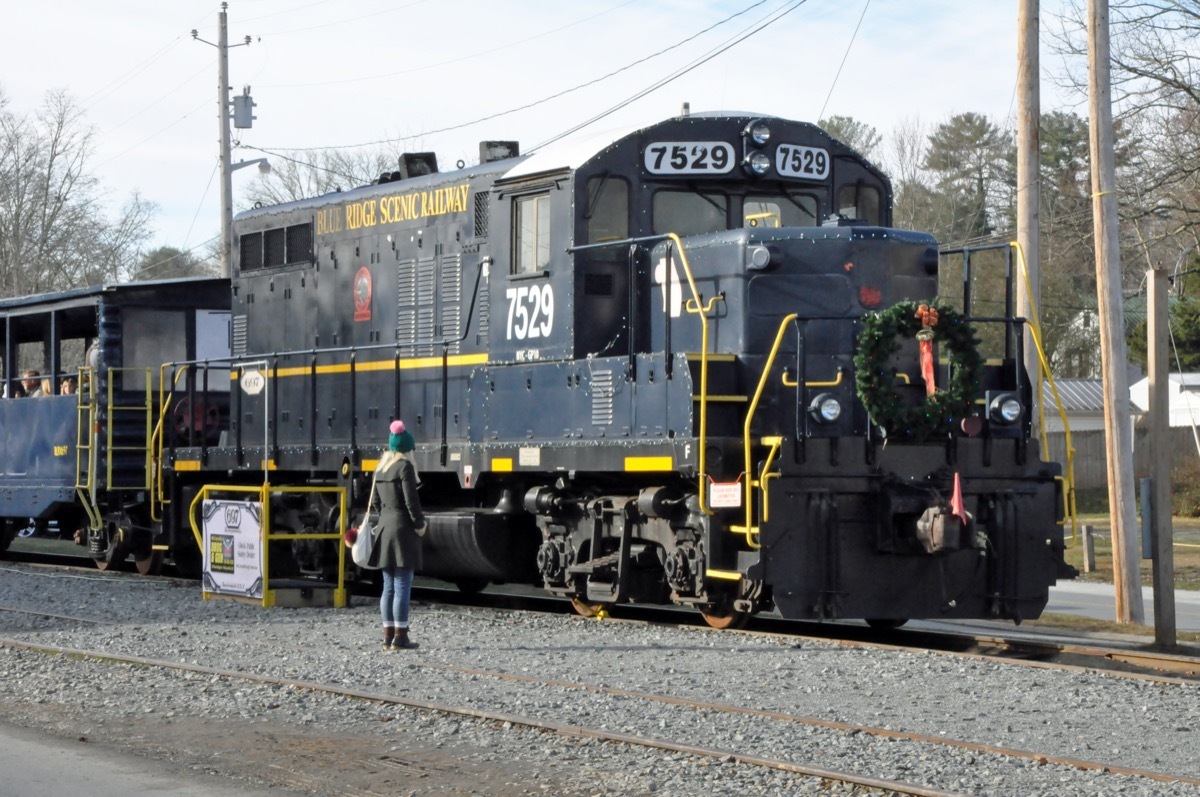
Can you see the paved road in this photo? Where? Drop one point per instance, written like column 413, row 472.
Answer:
column 36, row 765
column 1099, row 601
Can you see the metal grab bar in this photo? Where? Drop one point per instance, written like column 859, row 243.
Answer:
column 762, row 384
column 696, row 305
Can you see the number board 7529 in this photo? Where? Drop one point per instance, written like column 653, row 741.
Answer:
column 806, row 163
column 689, row 157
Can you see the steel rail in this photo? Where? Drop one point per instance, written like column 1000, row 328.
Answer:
column 891, row 786
column 807, row 721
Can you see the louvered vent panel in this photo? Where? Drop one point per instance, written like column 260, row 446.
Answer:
column 406, row 300
column 602, row 398
column 426, row 297
column 452, row 300
column 239, row 336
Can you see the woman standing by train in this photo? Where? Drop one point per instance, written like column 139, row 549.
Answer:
column 401, row 526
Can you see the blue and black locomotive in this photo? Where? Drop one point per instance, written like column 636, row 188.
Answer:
column 692, row 363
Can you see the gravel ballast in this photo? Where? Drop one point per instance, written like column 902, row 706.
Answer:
column 1066, row 714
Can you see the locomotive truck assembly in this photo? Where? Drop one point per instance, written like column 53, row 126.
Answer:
column 691, row 363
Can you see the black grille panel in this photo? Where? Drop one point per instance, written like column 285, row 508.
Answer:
column 251, row 251
column 481, row 215
column 274, row 247
column 300, row 243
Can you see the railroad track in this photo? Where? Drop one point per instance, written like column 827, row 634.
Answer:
column 879, row 784
column 429, row 670
column 598, row 733
column 1017, row 647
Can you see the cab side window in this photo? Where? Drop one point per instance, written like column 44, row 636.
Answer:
column 857, row 201
column 531, row 238
column 608, row 209
column 687, row 213
column 794, row 210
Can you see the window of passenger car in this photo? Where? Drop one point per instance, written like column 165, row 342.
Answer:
column 792, row 210
column 531, row 237
column 689, row 212
column 858, row 201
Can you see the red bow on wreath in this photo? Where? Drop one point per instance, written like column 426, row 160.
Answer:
column 929, row 319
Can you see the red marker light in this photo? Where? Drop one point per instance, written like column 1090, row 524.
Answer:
column 869, row 296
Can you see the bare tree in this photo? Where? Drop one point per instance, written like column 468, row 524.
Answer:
column 167, row 262
column 1156, row 99
column 317, row 172
column 55, row 230
column 903, row 158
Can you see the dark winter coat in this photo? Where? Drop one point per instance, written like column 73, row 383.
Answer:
column 400, row 516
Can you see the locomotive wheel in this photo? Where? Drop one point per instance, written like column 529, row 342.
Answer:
column 150, row 565
column 585, row 609
column 885, row 623
column 471, row 586
column 723, row 617
column 114, row 560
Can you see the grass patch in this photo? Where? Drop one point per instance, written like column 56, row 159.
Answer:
column 1187, row 559
column 1075, row 623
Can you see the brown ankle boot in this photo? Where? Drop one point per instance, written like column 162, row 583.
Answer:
column 388, row 637
column 401, row 640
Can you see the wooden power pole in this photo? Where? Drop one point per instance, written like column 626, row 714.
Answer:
column 1113, row 359
column 1160, row 466
column 1029, row 188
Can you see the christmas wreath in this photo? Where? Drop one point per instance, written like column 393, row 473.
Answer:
column 876, row 381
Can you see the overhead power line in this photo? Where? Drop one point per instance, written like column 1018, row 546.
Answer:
column 678, row 73
column 489, row 117
column 853, row 36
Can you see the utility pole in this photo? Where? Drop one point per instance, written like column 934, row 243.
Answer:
column 1029, row 188
column 1119, row 440
column 1160, row 467
column 223, row 103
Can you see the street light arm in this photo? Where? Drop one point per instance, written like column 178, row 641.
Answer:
column 263, row 164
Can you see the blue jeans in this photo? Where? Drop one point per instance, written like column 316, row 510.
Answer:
column 393, row 603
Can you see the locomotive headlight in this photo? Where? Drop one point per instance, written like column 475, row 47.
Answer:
column 758, row 163
column 1004, row 408
column 758, row 258
column 825, row 408
column 759, row 132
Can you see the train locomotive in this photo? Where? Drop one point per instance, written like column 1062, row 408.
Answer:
column 691, row 363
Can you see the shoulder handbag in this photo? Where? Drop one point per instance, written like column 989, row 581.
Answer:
column 364, row 543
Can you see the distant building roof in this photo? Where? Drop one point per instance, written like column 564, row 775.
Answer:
column 1077, row 395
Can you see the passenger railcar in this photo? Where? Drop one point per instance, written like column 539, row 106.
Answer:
column 85, row 459
column 682, row 364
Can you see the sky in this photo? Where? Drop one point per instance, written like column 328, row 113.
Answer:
column 330, row 73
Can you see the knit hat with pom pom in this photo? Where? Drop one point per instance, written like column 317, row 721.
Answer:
column 400, row 438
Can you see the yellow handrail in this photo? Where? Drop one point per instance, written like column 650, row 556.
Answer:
column 1044, row 367
column 694, row 305
column 831, row 383
column 264, row 492
column 85, row 418
column 157, row 496
column 762, row 383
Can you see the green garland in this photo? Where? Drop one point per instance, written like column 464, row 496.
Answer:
column 876, row 382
